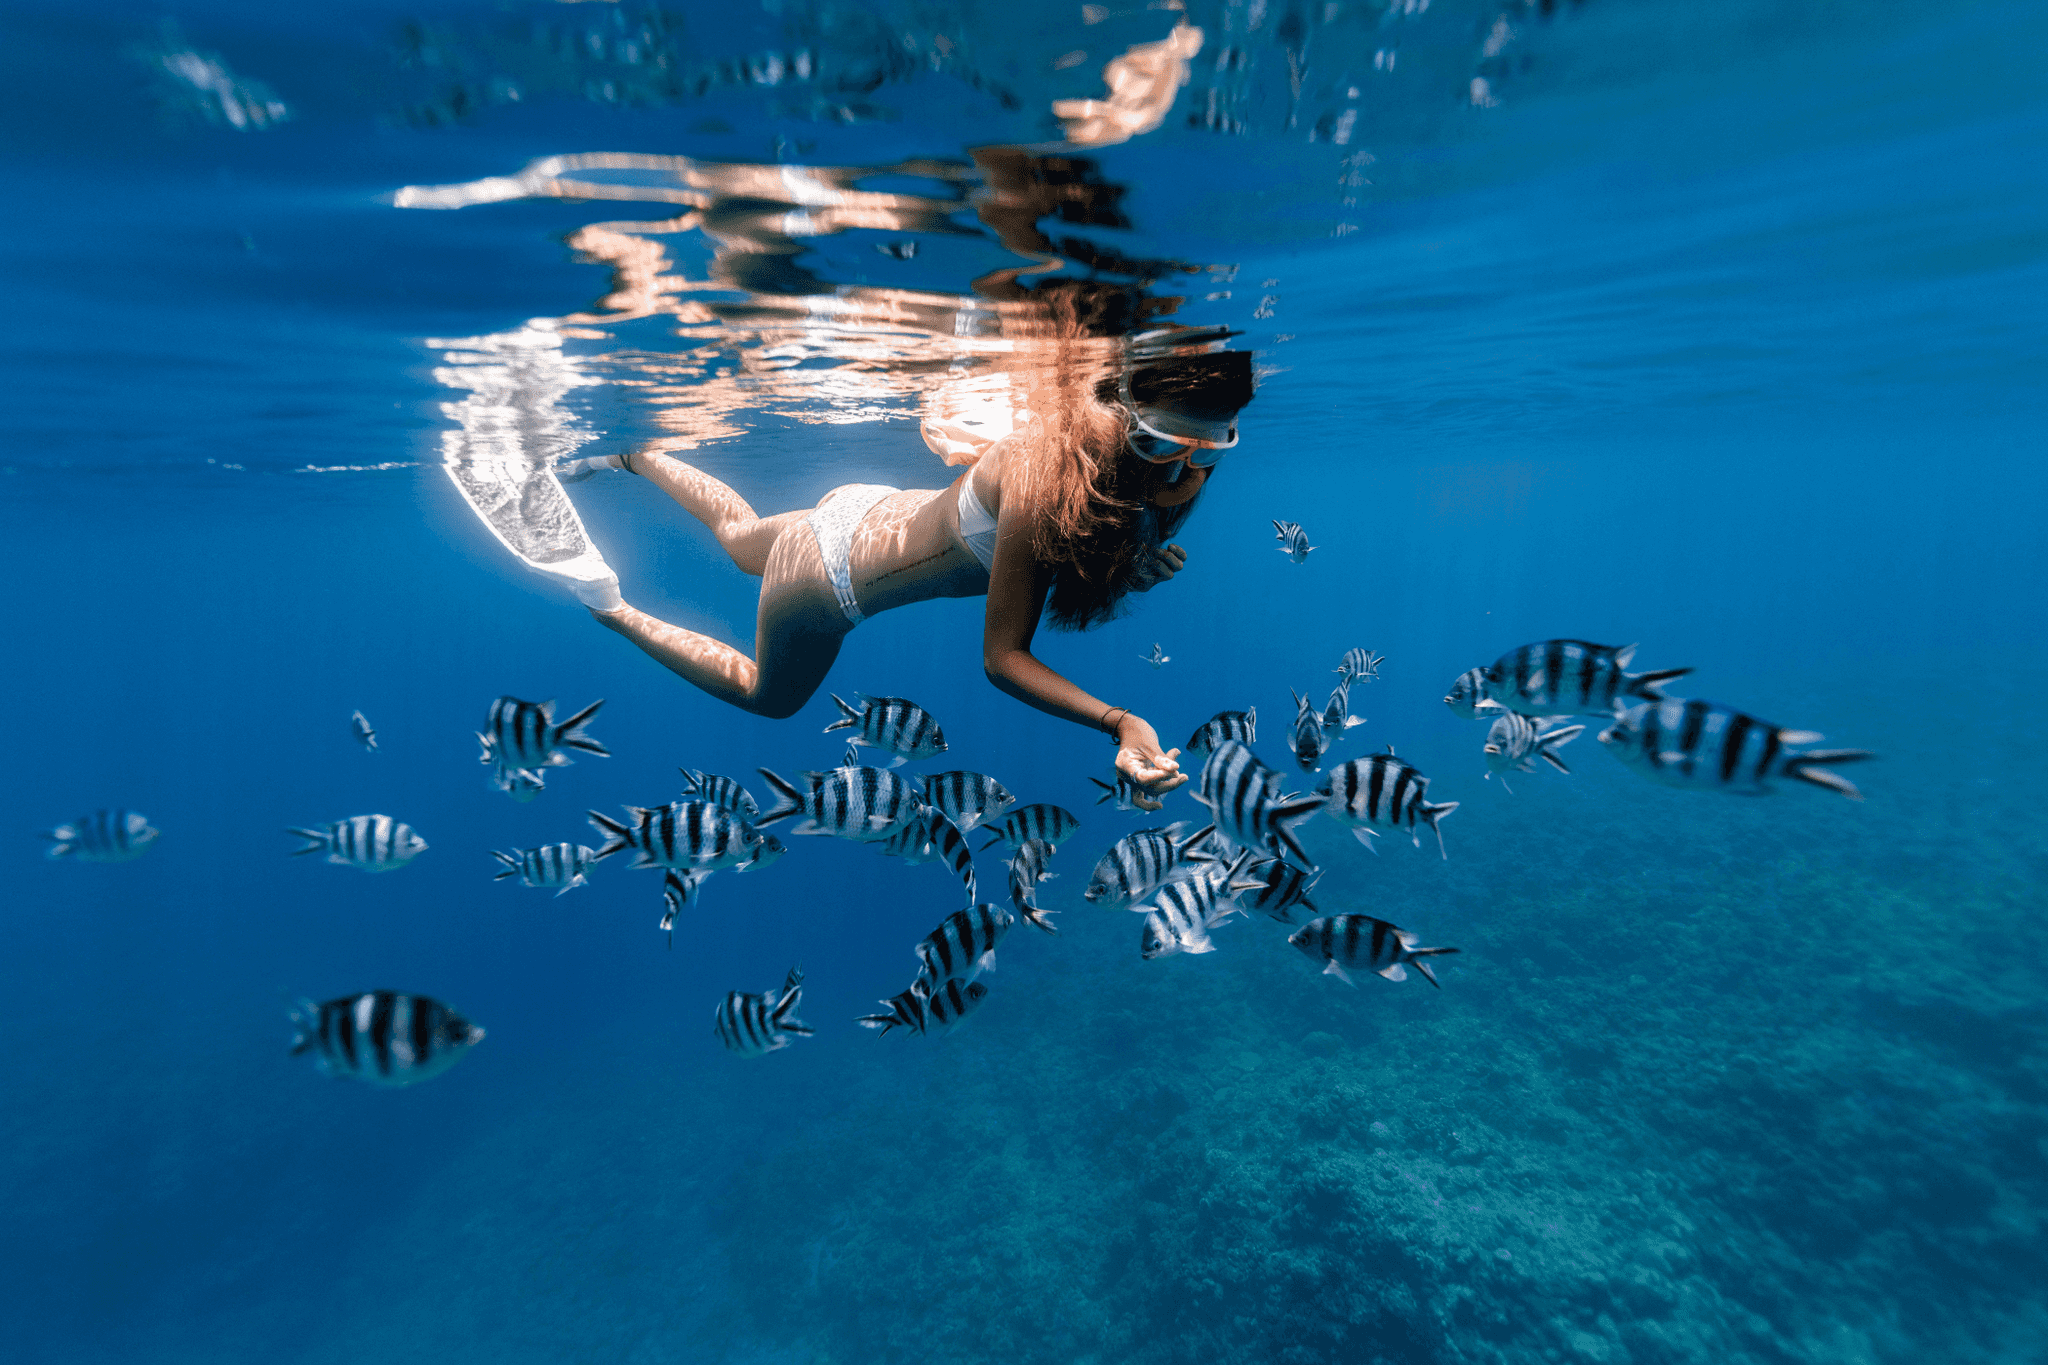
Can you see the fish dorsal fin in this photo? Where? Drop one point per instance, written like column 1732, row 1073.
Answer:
column 1623, row 655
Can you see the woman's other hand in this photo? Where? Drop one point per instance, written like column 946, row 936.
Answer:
column 1139, row 758
column 1163, row 563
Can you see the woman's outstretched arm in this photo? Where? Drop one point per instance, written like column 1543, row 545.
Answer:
column 1017, row 586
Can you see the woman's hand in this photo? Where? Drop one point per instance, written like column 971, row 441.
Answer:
column 1138, row 757
column 1164, row 562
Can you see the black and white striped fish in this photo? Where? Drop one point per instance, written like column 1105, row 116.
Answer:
column 964, row 944
column 1337, row 717
column 521, row 784
column 1703, row 744
column 1029, row 866
column 1139, row 864
column 1293, row 540
column 1558, row 677
column 1157, row 657
column 862, row 804
column 523, row 734
column 766, row 852
column 919, row 1013
column 967, row 798
column 360, row 728
column 558, row 865
column 382, row 1037
column 1340, row 941
column 756, row 1025
column 1040, row 821
column 374, row 843
column 929, row 836
column 720, row 791
column 683, row 834
column 1381, row 794
column 1243, row 797
column 1514, row 742
column 1179, row 920
column 894, row 725
column 1360, row 665
column 678, row 890
column 1123, row 791
column 1241, row 727
column 105, row 836
column 1276, row 887
column 1310, row 739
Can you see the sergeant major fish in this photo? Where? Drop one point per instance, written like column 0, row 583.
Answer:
column 360, row 728
column 523, row 734
column 105, row 836
column 919, row 1013
column 1157, row 657
column 521, row 784
column 930, row 835
column 719, row 791
column 1514, row 742
column 892, row 724
column 862, row 804
column 1293, row 540
column 1310, row 739
column 1180, row 920
column 1337, row 717
column 1702, row 744
column 558, row 865
column 1380, row 793
column 756, row 1025
column 1040, row 821
column 1138, row 864
column 679, row 889
column 1028, row 867
column 1276, row 887
column 683, row 834
column 964, row 944
column 1359, row 665
column 385, row 1038
column 1242, row 796
column 1566, row 677
column 1340, row 941
column 1225, row 726
column 967, row 798
column 1123, row 791
column 374, row 843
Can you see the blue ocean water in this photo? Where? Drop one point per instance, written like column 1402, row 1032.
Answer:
column 1716, row 329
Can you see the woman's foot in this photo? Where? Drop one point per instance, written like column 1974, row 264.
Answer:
column 576, row 471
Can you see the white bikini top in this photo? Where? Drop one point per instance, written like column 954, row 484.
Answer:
column 977, row 527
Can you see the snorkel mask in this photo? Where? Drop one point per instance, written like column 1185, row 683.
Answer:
column 1165, row 435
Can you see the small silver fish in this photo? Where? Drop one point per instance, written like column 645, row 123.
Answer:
column 1340, row 941
column 1029, row 866
column 385, row 1038
column 374, row 843
column 360, row 728
column 892, row 724
column 1310, row 739
column 1702, row 744
column 1243, row 797
column 862, row 804
column 688, row 835
column 719, row 791
column 1041, row 821
column 105, row 836
column 1360, row 665
column 1157, row 657
column 967, row 798
column 523, row 734
column 1224, row 726
column 1514, row 742
column 756, row 1025
column 964, row 944
column 897, row 251
column 551, row 865
column 1380, row 794
column 1293, row 540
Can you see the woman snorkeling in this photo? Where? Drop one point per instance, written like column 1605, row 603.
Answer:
column 1060, row 519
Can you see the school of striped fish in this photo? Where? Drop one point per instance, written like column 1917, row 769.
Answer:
column 1184, row 882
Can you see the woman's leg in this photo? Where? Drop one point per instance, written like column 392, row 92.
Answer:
column 797, row 635
column 747, row 537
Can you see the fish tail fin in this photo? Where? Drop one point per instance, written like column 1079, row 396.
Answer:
column 305, row 1017
column 1548, row 745
column 1433, row 812
column 64, row 841
column 569, row 734
column 1415, row 956
column 788, row 800
column 1185, row 847
column 490, row 750
column 884, row 1022
column 848, row 716
column 1108, row 791
column 617, row 837
column 1808, row 768
column 1644, row 685
column 1295, row 853
column 316, row 841
column 1035, row 917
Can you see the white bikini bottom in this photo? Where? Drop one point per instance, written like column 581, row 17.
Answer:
column 834, row 524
